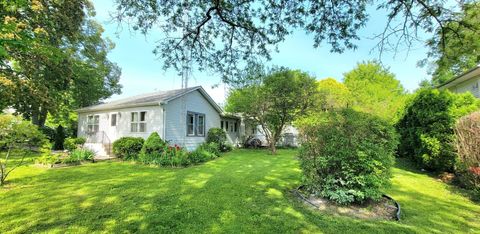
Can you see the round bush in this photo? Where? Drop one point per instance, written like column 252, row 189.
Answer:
column 346, row 156
column 219, row 136
column 127, row 147
column 153, row 144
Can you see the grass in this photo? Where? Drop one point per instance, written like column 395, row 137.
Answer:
column 242, row 192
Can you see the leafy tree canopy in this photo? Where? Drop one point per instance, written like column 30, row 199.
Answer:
column 332, row 94
column 283, row 96
column 461, row 51
column 53, row 58
column 225, row 35
column 375, row 90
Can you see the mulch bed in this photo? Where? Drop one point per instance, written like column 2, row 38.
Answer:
column 384, row 209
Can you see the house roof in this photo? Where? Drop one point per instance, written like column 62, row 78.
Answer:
column 150, row 99
column 461, row 78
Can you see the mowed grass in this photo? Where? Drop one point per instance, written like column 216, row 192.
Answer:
column 245, row 191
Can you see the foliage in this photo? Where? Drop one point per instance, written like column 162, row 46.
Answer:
column 16, row 135
column 218, row 136
column 246, row 184
column 467, row 132
column 173, row 156
column 426, row 127
column 225, row 35
column 153, row 144
column 128, row 147
column 46, row 156
column 82, row 154
column 461, row 51
column 375, row 90
column 59, row 138
column 346, row 155
column 332, row 95
column 54, row 58
column 48, row 132
column 283, row 96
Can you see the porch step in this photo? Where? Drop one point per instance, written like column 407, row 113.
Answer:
column 99, row 149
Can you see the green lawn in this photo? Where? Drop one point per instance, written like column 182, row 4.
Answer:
column 244, row 191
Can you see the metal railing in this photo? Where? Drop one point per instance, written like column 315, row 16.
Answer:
column 100, row 137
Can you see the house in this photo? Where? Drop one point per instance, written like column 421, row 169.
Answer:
column 466, row 82
column 181, row 117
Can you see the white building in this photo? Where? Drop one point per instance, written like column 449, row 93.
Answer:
column 466, row 82
column 181, row 117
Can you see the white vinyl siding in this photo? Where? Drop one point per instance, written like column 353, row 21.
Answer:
column 176, row 127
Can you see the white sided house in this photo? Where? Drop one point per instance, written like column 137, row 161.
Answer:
column 466, row 82
column 181, row 117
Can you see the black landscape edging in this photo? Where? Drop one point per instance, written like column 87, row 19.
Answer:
column 299, row 195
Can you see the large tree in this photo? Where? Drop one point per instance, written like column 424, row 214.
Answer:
column 332, row 95
column 375, row 90
column 281, row 97
column 461, row 51
column 224, row 35
column 55, row 59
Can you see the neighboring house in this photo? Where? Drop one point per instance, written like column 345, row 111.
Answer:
column 181, row 117
column 466, row 82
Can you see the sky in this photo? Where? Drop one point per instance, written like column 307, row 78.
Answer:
column 142, row 71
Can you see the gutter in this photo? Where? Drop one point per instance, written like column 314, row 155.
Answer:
column 458, row 77
column 83, row 110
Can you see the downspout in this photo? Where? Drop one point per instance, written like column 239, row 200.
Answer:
column 164, row 127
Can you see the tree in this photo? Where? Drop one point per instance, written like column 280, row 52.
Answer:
column 224, row 35
column 462, row 49
column 426, row 127
column 61, row 64
column 375, row 90
column 332, row 95
column 283, row 96
column 16, row 139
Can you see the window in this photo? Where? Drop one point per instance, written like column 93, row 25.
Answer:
column 113, row 120
column 190, row 124
column 195, row 124
column 221, row 124
column 226, row 126
column 231, row 127
column 236, row 127
column 138, row 121
column 93, row 123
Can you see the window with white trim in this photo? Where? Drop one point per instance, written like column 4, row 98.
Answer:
column 195, row 124
column 138, row 121
column 93, row 123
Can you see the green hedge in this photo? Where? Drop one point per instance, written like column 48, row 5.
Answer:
column 426, row 127
column 128, row 147
column 346, row 156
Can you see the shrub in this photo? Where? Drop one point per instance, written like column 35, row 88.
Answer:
column 128, row 147
column 346, row 156
column 218, row 136
column 46, row 157
column 82, row 154
column 48, row 132
column 71, row 144
column 153, row 144
column 59, row 138
column 467, row 132
column 426, row 127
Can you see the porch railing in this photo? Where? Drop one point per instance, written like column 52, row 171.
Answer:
column 100, row 137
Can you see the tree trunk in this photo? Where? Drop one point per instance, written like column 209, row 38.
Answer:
column 39, row 117
column 273, row 146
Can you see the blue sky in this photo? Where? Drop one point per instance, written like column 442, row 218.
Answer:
column 142, row 71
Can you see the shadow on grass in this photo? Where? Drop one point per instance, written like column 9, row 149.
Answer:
column 245, row 191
